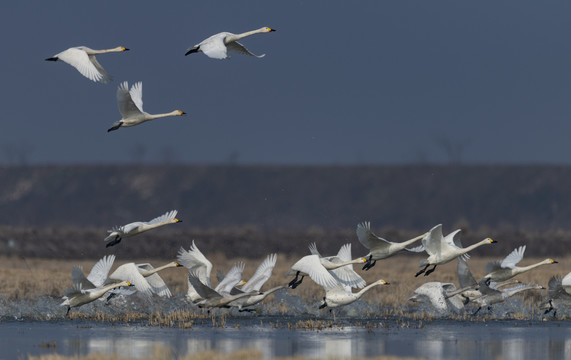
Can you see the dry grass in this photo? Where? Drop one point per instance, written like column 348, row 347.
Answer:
column 30, row 279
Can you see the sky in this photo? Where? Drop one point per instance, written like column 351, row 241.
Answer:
column 342, row 82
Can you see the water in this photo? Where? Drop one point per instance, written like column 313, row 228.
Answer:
column 442, row 339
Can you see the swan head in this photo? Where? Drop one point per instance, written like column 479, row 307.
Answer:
column 550, row 261
column 267, row 29
column 382, row 282
column 123, row 48
column 179, row 112
column 177, row 264
column 175, row 220
column 490, row 240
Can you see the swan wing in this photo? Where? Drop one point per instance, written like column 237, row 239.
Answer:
column 231, row 279
column 465, row 277
column 311, row 265
column 347, row 276
column 566, row 280
column 236, row 47
column 214, row 46
column 79, row 59
column 105, row 78
column 454, row 241
column 136, row 93
column 129, row 272
column 513, row 258
column 77, row 277
column 368, row 239
column 493, row 266
column 99, row 272
column 432, row 242
column 487, row 290
column 262, row 274
column 196, row 263
column 157, row 283
column 165, row 218
column 417, row 249
column 203, row 290
column 344, row 253
column 313, row 249
column 127, row 106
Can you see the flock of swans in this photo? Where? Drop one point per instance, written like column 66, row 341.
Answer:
column 335, row 274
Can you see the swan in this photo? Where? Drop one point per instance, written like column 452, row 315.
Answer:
column 344, row 274
column 135, row 228
column 507, row 269
column 255, row 283
column 83, row 59
column 492, row 295
column 130, row 104
column 341, row 294
column 317, row 269
column 97, row 276
column 559, row 297
column 380, row 248
column 210, row 298
column 232, row 278
column 440, row 297
column 217, row 45
column 198, row 264
column 157, row 284
column 442, row 250
column 77, row 296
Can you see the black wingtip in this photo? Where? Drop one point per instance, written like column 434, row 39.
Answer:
column 52, row 58
column 193, row 50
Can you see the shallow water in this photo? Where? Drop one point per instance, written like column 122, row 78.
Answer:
column 442, row 339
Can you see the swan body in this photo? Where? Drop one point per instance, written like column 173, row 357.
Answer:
column 341, row 295
column 507, row 269
column 492, row 295
column 78, row 296
column 380, row 248
column 135, row 228
column 210, row 298
column 218, row 45
column 442, row 250
column 130, row 104
column 317, row 269
column 198, row 265
column 344, row 274
column 83, row 59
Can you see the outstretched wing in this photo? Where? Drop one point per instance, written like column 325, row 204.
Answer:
column 233, row 277
column 79, row 59
column 163, row 218
column 127, row 106
column 513, row 258
column 105, row 78
column 432, row 242
column 236, row 47
column 99, row 272
column 196, row 263
column 465, row 277
column 262, row 274
column 311, row 265
column 368, row 239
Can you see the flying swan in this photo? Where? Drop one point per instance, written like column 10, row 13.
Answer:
column 130, row 104
column 137, row 227
column 83, row 59
column 507, row 269
column 217, row 45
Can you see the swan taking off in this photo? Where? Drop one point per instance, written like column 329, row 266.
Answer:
column 217, row 46
column 130, row 104
column 83, row 59
column 380, row 248
column 341, row 295
column 507, row 269
column 442, row 250
column 135, row 228
column 77, row 296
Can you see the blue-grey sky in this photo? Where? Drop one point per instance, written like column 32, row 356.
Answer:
column 342, row 82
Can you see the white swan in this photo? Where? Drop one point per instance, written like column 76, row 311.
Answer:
column 97, row 276
column 442, row 250
column 255, row 283
column 380, row 248
column 344, row 274
column 199, row 265
column 77, row 296
column 210, row 298
column 507, row 269
column 135, row 228
column 130, row 104
column 492, row 295
column 83, row 59
column 318, row 271
column 232, row 278
column 157, row 284
column 217, row 45
column 341, row 295
column 441, row 298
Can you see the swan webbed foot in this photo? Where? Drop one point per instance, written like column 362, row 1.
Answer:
column 370, row 263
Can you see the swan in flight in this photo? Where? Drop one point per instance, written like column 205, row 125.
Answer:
column 135, row 228
column 211, row 298
column 380, row 248
column 97, row 276
column 199, row 265
column 143, row 276
column 344, row 274
column 442, row 250
column 507, row 269
column 130, row 104
column 77, row 296
column 218, row 45
column 83, row 59
column 157, row 284
column 317, row 268
column 255, row 283
column 438, row 297
column 340, row 294
column 492, row 295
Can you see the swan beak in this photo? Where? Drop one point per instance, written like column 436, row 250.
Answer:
column 553, row 261
column 364, row 260
column 271, row 30
column 129, row 284
column 182, row 112
column 124, row 48
column 492, row 241
column 385, row 282
column 177, row 220
column 178, row 264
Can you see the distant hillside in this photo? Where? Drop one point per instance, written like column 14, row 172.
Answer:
column 289, row 197
column 64, row 211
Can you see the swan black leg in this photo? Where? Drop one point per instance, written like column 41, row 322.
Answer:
column 430, row 271
column 421, row 271
column 475, row 312
column 115, row 241
column 295, row 283
column 370, row 263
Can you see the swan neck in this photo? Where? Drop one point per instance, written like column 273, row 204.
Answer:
column 413, row 240
column 236, row 37
column 473, row 246
column 365, row 289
